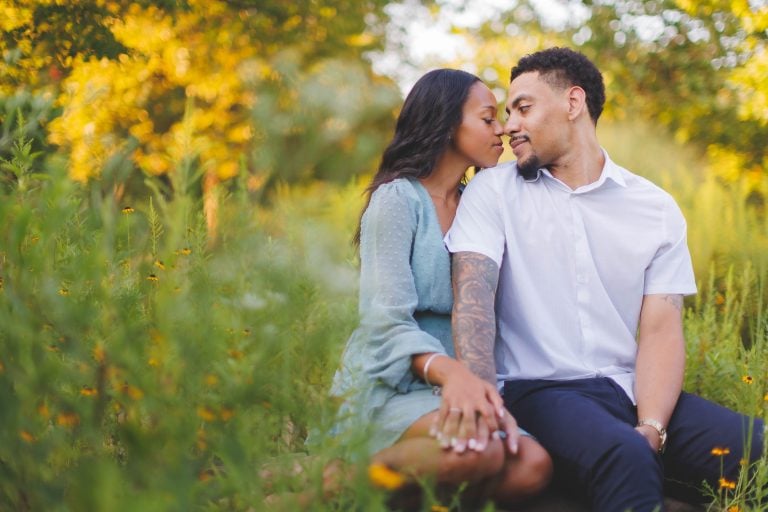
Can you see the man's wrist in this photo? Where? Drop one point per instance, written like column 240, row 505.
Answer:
column 656, row 426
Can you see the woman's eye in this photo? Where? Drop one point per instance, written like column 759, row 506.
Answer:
column 488, row 121
column 524, row 108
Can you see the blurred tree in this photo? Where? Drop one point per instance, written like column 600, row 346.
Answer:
column 275, row 90
column 697, row 67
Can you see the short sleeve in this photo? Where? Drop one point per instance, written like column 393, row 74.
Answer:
column 478, row 225
column 671, row 270
column 388, row 297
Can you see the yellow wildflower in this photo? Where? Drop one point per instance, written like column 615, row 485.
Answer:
column 63, row 292
column 88, row 391
column 186, row 251
column 727, row 484
column 159, row 264
column 718, row 451
column 67, row 419
column 227, row 414
column 734, row 508
column 747, row 379
column 206, row 413
column 127, row 210
column 26, row 436
column 153, row 278
column 381, row 476
column 439, row 508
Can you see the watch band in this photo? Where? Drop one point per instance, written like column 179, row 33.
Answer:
column 658, row 427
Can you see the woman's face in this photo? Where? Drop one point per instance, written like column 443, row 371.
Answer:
column 478, row 137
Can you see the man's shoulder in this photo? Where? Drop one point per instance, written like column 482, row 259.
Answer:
column 637, row 184
column 494, row 177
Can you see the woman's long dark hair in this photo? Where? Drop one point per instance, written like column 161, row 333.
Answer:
column 425, row 127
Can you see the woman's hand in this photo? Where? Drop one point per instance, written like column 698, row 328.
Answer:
column 472, row 412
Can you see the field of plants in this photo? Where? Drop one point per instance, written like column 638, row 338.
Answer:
column 179, row 186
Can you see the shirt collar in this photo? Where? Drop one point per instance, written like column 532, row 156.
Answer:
column 610, row 171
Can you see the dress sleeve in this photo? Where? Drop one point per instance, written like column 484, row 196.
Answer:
column 388, row 297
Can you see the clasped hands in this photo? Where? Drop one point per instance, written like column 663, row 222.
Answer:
column 472, row 414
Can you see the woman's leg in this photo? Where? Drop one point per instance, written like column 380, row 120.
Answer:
column 504, row 477
column 524, row 475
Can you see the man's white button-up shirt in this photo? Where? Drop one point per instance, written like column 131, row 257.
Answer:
column 574, row 266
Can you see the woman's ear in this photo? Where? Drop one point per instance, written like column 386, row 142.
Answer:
column 577, row 102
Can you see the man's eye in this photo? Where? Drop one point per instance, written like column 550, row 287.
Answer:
column 524, row 108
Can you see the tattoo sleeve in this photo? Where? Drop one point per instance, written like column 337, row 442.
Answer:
column 473, row 321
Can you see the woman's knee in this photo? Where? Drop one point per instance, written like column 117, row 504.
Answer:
column 526, row 474
column 471, row 466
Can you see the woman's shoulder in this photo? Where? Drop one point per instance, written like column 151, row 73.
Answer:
column 400, row 193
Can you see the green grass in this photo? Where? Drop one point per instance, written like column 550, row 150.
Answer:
column 146, row 367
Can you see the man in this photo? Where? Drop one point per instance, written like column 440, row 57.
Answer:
column 586, row 265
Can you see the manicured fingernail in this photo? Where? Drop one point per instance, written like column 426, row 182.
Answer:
column 460, row 447
column 501, row 412
column 454, row 441
column 480, row 446
column 432, row 431
column 513, row 447
column 496, row 434
column 471, row 444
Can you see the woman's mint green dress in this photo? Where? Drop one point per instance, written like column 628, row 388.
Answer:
column 405, row 306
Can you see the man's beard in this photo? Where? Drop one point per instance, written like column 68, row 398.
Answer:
column 529, row 168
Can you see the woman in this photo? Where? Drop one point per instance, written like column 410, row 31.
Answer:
column 403, row 346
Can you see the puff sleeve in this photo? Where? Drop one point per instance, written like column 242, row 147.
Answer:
column 388, row 295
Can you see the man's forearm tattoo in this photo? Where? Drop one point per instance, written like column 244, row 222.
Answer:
column 675, row 300
column 473, row 322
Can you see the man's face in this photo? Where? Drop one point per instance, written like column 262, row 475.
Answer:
column 537, row 122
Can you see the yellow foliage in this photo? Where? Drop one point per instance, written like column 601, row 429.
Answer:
column 172, row 66
column 12, row 17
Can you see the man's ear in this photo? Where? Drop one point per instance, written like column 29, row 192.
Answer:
column 577, row 102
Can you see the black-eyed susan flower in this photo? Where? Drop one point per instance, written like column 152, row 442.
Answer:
column 26, row 437
column 43, row 411
column 227, row 414
column 726, row 484
column 63, row 292
column 206, row 413
column 720, row 451
column 384, row 477
column 734, row 508
column 67, row 419
column 747, row 379
column 153, row 278
column 159, row 264
column 88, row 391
column 127, row 210
column 186, row 251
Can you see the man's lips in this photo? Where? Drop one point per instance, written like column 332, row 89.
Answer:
column 514, row 142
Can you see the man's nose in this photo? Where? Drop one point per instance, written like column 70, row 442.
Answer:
column 511, row 126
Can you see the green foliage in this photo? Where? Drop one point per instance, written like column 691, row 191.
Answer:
column 141, row 368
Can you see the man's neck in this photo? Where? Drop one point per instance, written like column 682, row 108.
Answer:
column 581, row 167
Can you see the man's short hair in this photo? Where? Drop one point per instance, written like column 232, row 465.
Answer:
column 563, row 67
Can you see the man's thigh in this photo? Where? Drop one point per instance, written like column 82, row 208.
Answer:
column 578, row 422
column 698, row 428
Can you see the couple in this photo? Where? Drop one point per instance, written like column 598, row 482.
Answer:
column 549, row 297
